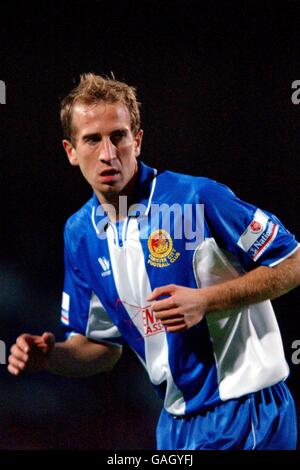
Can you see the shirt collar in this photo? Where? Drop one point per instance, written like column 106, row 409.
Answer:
column 142, row 196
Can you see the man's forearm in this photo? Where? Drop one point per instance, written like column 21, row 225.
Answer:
column 79, row 357
column 256, row 286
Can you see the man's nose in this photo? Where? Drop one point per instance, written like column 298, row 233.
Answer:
column 107, row 150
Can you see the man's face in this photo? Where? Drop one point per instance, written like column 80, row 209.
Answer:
column 105, row 147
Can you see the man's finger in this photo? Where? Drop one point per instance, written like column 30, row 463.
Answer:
column 45, row 342
column 16, row 363
column 177, row 329
column 173, row 321
column 164, row 304
column 13, row 370
column 48, row 338
column 18, row 353
column 169, row 314
column 25, row 341
column 158, row 291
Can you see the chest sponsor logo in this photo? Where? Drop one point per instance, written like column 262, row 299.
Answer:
column 161, row 251
column 152, row 326
column 105, row 265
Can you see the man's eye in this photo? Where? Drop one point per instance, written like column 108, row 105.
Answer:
column 92, row 139
column 117, row 136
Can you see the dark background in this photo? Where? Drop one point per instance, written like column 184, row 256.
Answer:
column 214, row 79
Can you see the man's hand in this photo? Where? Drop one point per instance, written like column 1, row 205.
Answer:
column 30, row 353
column 185, row 307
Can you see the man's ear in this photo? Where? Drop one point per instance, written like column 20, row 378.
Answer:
column 71, row 152
column 138, row 142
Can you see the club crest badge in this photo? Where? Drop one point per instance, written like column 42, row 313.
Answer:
column 161, row 251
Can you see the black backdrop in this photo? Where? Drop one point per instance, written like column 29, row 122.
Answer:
column 214, row 79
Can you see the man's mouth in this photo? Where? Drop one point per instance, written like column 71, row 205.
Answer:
column 109, row 172
column 109, row 176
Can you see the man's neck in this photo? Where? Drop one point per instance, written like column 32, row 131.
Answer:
column 116, row 205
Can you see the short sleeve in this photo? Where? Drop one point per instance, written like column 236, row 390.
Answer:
column 81, row 310
column 256, row 237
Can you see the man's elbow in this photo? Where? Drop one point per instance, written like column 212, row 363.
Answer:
column 296, row 260
column 113, row 356
column 291, row 269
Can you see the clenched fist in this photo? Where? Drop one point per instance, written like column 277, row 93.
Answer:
column 30, row 353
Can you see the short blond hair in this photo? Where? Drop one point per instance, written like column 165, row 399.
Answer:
column 92, row 89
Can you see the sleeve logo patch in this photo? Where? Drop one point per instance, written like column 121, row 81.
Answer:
column 258, row 235
column 65, row 306
column 256, row 227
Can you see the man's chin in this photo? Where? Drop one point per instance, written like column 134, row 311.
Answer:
column 107, row 190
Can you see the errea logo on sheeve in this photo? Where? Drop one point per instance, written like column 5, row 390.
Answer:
column 2, row 92
column 105, row 265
